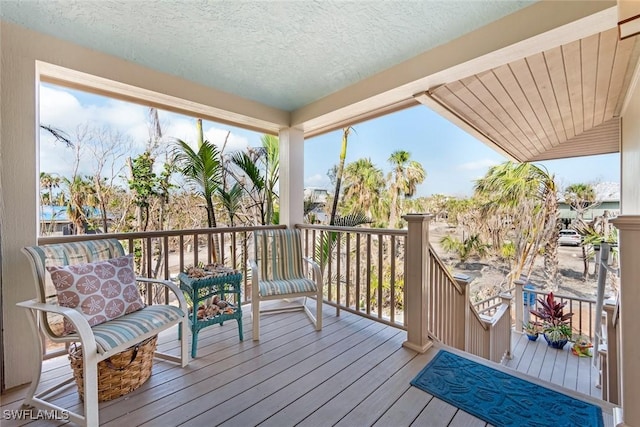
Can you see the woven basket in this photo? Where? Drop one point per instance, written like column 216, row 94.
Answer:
column 121, row 373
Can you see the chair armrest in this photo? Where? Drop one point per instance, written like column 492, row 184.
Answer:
column 316, row 270
column 172, row 286
column 79, row 322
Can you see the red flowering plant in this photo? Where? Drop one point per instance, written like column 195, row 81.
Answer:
column 555, row 323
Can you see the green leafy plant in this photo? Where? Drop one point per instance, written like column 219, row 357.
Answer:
column 555, row 323
column 551, row 312
column 558, row 332
column 531, row 328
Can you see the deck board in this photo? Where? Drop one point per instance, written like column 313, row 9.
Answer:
column 558, row 367
column 353, row 372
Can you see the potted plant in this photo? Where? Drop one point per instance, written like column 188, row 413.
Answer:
column 555, row 323
column 557, row 336
column 532, row 330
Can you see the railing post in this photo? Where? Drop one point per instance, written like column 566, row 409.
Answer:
column 463, row 280
column 602, row 280
column 610, row 381
column 416, row 282
column 629, row 323
column 519, row 304
column 506, row 300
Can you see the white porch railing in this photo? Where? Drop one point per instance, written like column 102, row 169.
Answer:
column 164, row 254
column 365, row 272
column 363, row 269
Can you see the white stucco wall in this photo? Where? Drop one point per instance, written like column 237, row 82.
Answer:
column 20, row 50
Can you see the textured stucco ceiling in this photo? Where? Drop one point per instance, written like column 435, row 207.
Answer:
column 284, row 54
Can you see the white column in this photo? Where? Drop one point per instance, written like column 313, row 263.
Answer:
column 629, row 345
column 629, row 238
column 291, row 176
column 18, row 208
column 416, row 282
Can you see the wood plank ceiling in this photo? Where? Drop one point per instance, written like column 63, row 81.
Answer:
column 563, row 102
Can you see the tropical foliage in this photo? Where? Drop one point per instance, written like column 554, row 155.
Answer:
column 524, row 196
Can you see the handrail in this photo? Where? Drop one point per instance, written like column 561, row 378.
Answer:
column 362, row 230
column 434, row 255
column 486, row 324
column 44, row 240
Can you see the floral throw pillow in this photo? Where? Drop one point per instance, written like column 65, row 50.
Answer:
column 100, row 291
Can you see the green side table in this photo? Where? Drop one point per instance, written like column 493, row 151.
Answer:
column 200, row 289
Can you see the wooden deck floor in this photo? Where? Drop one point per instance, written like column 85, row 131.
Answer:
column 353, row 373
column 560, row 367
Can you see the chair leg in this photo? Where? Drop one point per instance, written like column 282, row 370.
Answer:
column 255, row 309
column 184, row 348
column 91, row 408
column 319, row 311
column 37, row 366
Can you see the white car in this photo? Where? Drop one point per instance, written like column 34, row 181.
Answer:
column 569, row 237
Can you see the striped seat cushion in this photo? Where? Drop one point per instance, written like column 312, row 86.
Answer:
column 282, row 287
column 280, row 254
column 130, row 326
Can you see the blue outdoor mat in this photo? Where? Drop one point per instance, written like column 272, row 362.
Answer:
column 502, row 399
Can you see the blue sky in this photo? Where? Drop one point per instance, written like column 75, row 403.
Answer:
column 452, row 158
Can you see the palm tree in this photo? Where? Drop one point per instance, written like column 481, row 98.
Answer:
column 202, row 168
column 271, row 147
column 261, row 172
column 81, row 197
column 526, row 194
column 339, row 171
column 582, row 197
column 404, row 177
column 232, row 200
column 363, row 183
column 49, row 182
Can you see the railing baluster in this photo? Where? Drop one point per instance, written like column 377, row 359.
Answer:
column 195, row 249
column 347, row 283
column 393, row 278
column 358, row 271
column 338, row 271
column 245, row 268
column 380, row 275
column 368, row 294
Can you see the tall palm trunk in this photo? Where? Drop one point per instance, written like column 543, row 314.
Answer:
column 339, row 172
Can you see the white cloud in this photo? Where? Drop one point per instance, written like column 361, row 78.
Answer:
column 184, row 128
column 317, row 181
column 477, row 164
column 62, row 110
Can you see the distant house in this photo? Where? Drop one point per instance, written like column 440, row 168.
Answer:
column 315, row 201
column 54, row 220
column 316, row 195
column 567, row 214
column 608, row 193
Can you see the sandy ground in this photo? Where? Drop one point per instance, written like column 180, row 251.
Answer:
column 489, row 273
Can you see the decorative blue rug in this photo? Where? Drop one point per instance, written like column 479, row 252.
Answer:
column 502, row 399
